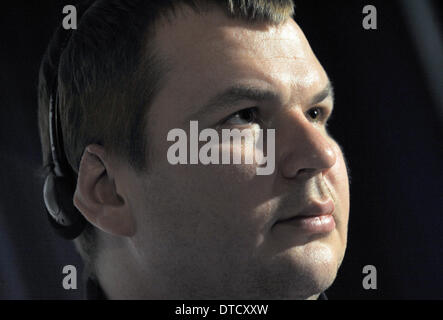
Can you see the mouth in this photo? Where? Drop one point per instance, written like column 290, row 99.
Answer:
column 316, row 218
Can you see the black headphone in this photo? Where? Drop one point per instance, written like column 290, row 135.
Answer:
column 58, row 189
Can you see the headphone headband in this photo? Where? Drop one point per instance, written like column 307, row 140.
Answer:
column 58, row 189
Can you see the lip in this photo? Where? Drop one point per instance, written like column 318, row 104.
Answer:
column 316, row 218
column 312, row 224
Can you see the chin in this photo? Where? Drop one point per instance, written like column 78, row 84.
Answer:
column 318, row 264
column 302, row 272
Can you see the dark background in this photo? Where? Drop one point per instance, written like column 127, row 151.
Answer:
column 387, row 119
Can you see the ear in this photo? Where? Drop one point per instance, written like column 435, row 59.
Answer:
column 96, row 194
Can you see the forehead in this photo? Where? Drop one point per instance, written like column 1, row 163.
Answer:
column 209, row 52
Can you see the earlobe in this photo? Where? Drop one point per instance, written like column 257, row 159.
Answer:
column 96, row 196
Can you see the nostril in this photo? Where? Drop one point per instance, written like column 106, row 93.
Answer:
column 306, row 172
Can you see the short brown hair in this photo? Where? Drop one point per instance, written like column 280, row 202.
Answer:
column 108, row 75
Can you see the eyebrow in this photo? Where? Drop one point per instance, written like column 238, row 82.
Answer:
column 237, row 93
column 233, row 95
column 328, row 91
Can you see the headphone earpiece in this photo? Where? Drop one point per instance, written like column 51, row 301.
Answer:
column 63, row 215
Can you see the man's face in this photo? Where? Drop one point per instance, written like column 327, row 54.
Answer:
column 216, row 231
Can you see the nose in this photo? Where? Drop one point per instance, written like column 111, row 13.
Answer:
column 305, row 147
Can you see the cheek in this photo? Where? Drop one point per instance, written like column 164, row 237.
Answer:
column 216, row 197
column 203, row 213
column 337, row 178
column 224, row 206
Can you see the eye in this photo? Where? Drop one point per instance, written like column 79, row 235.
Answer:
column 316, row 114
column 242, row 117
